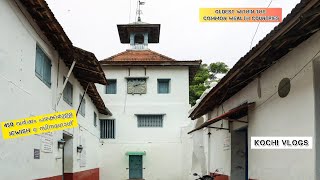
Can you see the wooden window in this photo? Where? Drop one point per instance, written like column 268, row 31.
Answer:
column 111, row 87
column 43, row 67
column 163, row 86
column 150, row 120
column 107, row 129
column 68, row 92
column 82, row 109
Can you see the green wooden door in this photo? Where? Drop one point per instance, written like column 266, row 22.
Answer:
column 135, row 167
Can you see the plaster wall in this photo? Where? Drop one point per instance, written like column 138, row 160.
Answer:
column 164, row 157
column 23, row 94
column 272, row 115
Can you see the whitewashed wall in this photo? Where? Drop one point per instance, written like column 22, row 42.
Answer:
column 23, row 95
column 163, row 146
column 293, row 115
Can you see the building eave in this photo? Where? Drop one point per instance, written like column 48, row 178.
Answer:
column 298, row 26
column 87, row 68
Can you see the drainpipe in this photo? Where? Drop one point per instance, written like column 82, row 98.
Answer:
column 209, row 157
column 65, row 82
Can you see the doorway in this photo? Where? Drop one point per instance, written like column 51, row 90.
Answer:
column 67, row 156
column 135, row 167
column 239, row 154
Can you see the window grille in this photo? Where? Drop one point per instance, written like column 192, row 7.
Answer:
column 107, row 129
column 150, row 120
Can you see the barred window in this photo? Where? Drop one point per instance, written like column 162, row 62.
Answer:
column 107, row 129
column 150, row 120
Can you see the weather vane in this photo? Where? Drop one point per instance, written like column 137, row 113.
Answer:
column 139, row 11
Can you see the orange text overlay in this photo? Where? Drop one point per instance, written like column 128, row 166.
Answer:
column 240, row 14
column 39, row 124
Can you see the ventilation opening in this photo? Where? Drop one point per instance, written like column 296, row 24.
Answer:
column 139, row 39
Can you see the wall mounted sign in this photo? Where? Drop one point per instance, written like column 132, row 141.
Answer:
column 36, row 154
column 47, row 142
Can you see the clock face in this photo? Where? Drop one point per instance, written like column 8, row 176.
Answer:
column 137, row 86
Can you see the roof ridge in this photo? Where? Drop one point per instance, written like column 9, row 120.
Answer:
column 109, row 58
column 153, row 53
column 164, row 56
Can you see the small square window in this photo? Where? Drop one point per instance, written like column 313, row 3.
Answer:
column 111, row 87
column 82, row 109
column 68, row 92
column 163, row 86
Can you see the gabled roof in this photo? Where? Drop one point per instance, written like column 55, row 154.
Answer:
column 87, row 68
column 149, row 58
column 299, row 25
column 138, row 55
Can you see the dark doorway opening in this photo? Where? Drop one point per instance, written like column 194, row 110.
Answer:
column 67, row 156
column 239, row 154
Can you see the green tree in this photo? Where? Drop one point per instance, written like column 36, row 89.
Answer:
column 205, row 75
column 217, row 68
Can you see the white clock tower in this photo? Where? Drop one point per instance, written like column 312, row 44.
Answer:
column 148, row 94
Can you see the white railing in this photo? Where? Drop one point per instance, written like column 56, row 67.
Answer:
column 139, row 46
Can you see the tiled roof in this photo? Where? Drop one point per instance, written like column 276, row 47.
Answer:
column 299, row 25
column 87, row 69
column 139, row 55
column 149, row 58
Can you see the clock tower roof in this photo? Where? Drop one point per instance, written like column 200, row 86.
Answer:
column 141, row 55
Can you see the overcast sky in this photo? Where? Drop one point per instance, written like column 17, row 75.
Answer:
column 91, row 25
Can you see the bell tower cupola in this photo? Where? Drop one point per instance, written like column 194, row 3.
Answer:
column 139, row 34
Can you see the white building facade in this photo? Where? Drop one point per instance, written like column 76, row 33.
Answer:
column 251, row 101
column 35, row 58
column 148, row 94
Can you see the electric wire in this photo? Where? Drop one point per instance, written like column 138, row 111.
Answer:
column 292, row 78
column 255, row 33
column 130, row 11
column 311, row 60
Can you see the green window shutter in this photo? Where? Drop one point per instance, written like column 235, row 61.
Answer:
column 95, row 119
column 163, row 86
column 43, row 67
column 82, row 110
column 68, row 93
column 47, row 72
column 111, row 88
column 39, row 63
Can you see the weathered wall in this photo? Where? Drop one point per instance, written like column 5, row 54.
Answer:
column 293, row 115
column 23, row 95
column 163, row 146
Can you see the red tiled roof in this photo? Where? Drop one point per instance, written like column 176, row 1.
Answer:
column 149, row 58
column 139, row 55
column 87, row 69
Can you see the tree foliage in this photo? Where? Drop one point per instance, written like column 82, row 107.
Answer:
column 205, row 75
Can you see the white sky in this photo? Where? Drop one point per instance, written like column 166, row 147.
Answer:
column 91, row 25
